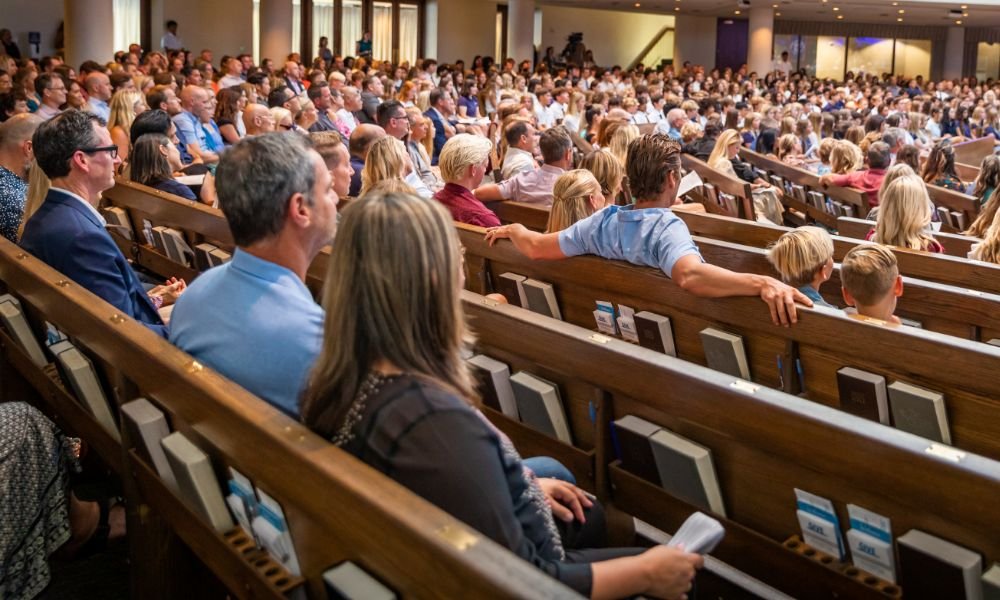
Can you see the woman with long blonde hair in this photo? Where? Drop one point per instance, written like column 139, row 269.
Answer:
column 620, row 139
column 387, row 159
column 904, row 215
column 989, row 249
column 845, row 158
column 124, row 106
column 725, row 158
column 391, row 388
column 609, row 173
column 576, row 195
column 38, row 189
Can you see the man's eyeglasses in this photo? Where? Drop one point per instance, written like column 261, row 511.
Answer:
column 112, row 149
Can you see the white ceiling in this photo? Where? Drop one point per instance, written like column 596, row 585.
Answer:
column 915, row 12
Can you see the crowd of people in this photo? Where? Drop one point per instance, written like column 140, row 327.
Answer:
column 419, row 147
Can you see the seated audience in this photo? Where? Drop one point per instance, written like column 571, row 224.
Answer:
column 332, row 149
column 845, row 158
column 16, row 157
column 803, row 258
column 360, row 143
column 725, row 158
column 939, row 168
column 609, row 172
column 392, row 389
column 648, row 233
column 789, row 150
column 52, row 93
column 257, row 120
column 535, row 187
column 196, row 106
column 621, row 137
column 276, row 194
column 988, row 180
column 909, row 155
column 420, row 145
column 441, row 111
column 154, row 161
column 283, row 119
column 125, row 105
column 871, row 282
column 904, row 216
column 989, row 249
column 464, row 161
column 67, row 233
column 387, row 159
column 522, row 141
column 230, row 103
column 869, row 180
column 576, row 195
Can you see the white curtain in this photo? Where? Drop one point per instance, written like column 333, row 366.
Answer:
column 127, row 21
column 382, row 32
column 296, row 26
column 350, row 27
column 256, row 32
column 408, row 33
column 322, row 22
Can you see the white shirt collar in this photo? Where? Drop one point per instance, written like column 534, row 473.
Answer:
column 89, row 206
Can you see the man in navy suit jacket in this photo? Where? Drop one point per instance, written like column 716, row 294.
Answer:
column 76, row 152
column 442, row 107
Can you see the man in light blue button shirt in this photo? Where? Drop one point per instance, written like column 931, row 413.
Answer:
column 648, row 233
column 253, row 320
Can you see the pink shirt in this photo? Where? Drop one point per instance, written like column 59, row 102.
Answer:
column 869, row 181
column 534, row 187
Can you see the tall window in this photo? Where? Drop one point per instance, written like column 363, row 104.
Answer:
column 872, row 56
column 127, row 23
column 296, row 26
column 408, row 25
column 988, row 61
column 498, row 47
column 322, row 23
column 382, row 31
column 256, row 32
column 913, row 57
column 350, row 27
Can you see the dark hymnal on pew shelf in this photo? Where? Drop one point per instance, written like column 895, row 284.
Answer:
column 724, row 352
column 686, row 470
column 17, row 326
column 202, row 255
column 348, row 581
column 631, row 436
column 511, row 287
column 159, row 242
column 933, row 568
column 494, row 384
column 655, row 332
column 196, row 481
column 541, row 298
column 177, row 247
column 919, row 411
column 863, row 394
column 80, row 377
column 118, row 218
column 540, row 406
column 147, row 426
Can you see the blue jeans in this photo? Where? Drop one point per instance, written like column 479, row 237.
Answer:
column 546, row 466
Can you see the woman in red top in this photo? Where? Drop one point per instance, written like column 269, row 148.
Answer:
column 904, row 216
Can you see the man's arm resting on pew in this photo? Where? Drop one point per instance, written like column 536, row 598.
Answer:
column 488, row 193
column 710, row 281
column 534, row 245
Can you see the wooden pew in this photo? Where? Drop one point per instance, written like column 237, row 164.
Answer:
column 959, row 202
column 764, row 443
column 972, row 152
column 824, row 343
column 955, row 244
column 967, row 173
column 854, row 198
column 726, row 184
column 359, row 515
column 523, row 351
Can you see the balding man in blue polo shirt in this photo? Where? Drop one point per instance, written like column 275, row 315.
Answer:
column 648, row 233
column 253, row 320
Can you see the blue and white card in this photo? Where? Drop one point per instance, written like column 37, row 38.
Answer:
column 820, row 526
column 870, row 541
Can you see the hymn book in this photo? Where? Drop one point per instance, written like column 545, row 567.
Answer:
column 511, row 287
column 539, row 405
column 919, row 411
column 147, row 426
column 202, row 255
column 635, row 451
column 118, row 219
column 933, row 568
column 686, row 470
column 16, row 323
column 541, row 298
column 348, row 581
column 655, row 332
column 724, row 352
column 177, row 247
column 196, row 480
column 81, row 379
column 863, row 394
column 494, row 384
column 991, row 583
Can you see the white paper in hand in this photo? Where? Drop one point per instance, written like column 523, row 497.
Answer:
column 700, row 534
column 688, row 183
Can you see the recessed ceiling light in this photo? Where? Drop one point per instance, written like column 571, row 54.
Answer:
column 964, row 6
column 899, row 19
column 895, row 3
column 901, row 11
column 958, row 22
column 677, row 8
column 777, row 14
column 836, row 8
column 840, row 16
column 774, row 6
column 737, row 12
column 637, row 5
column 965, row 14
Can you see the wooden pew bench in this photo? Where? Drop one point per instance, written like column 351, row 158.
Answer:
column 337, row 508
column 972, row 152
column 739, row 205
column 955, row 244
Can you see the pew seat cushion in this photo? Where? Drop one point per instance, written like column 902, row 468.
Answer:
column 653, row 237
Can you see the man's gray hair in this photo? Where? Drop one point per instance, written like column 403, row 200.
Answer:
column 255, row 179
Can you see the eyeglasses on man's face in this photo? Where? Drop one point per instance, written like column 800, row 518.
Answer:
column 112, row 149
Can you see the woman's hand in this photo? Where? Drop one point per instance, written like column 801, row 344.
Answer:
column 567, row 500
